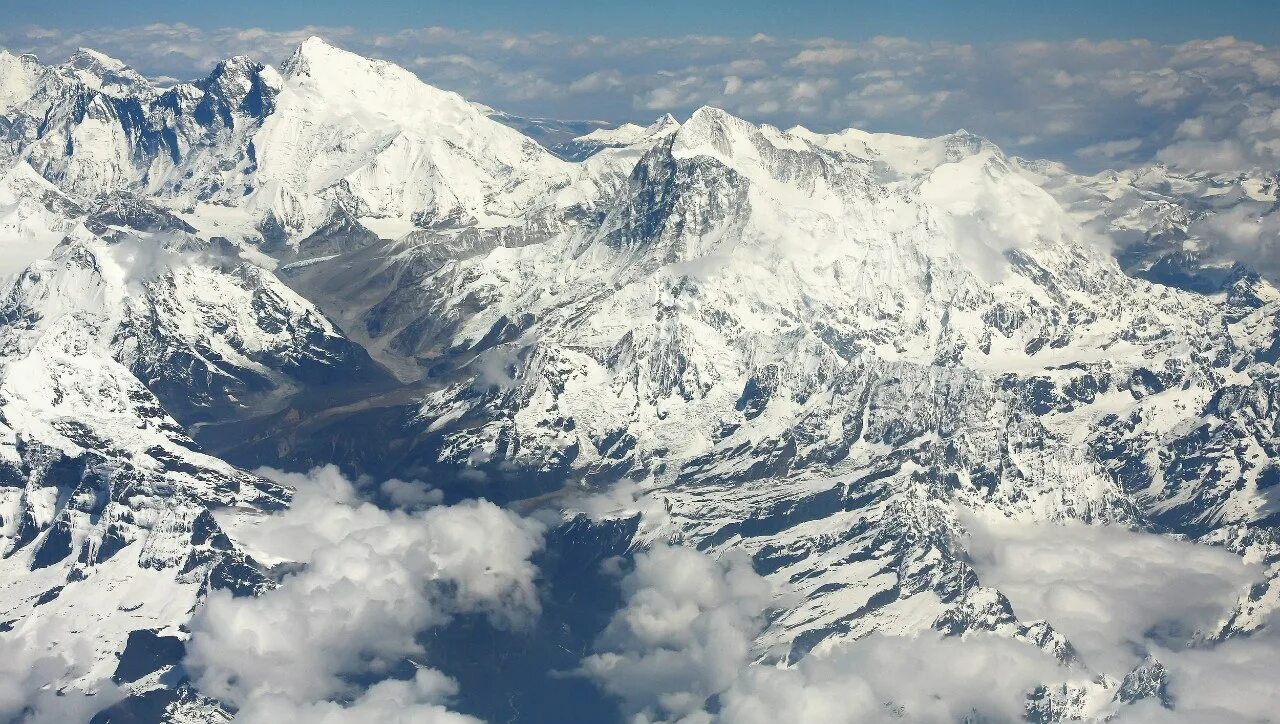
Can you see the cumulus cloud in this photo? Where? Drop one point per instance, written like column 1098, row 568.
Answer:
column 370, row 581
column 1203, row 104
column 411, row 493
column 415, row 701
column 683, row 634
column 681, row 647
column 988, row 678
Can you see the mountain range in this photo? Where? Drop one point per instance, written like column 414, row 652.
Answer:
column 829, row 353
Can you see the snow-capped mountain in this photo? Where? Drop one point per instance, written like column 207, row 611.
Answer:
column 821, row 350
column 1171, row 226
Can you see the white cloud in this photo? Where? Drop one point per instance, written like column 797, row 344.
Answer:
column 26, row 669
column 681, row 647
column 601, row 80
column 417, row 701
column 683, row 634
column 889, row 678
column 372, row 581
column 411, row 493
column 1234, row 681
column 1249, row 233
column 1115, row 594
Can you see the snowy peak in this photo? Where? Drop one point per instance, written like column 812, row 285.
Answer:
column 626, row 133
column 665, row 121
column 624, row 144
column 630, row 133
column 370, row 135
column 815, row 349
column 238, row 85
column 902, row 157
column 237, row 76
column 315, row 57
column 366, row 90
column 19, row 77
column 760, row 151
column 34, row 215
column 284, row 150
column 712, row 131
column 89, row 59
column 103, row 73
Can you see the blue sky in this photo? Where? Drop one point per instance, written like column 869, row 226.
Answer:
column 987, row 20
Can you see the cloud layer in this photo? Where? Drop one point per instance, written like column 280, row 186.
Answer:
column 371, row 581
column 680, row 648
column 888, row 678
column 1203, row 104
column 1234, row 681
column 1114, row 593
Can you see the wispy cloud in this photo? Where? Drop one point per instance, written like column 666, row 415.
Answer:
column 1120, row 595
column 1233, row 681
column 28, row 662
column 928, row 678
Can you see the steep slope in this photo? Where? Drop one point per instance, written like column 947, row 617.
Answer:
column 34, row 215
column 109, row 544
column 210, row 333
column 370, row 136
column 106, row 529
column 92, row 125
